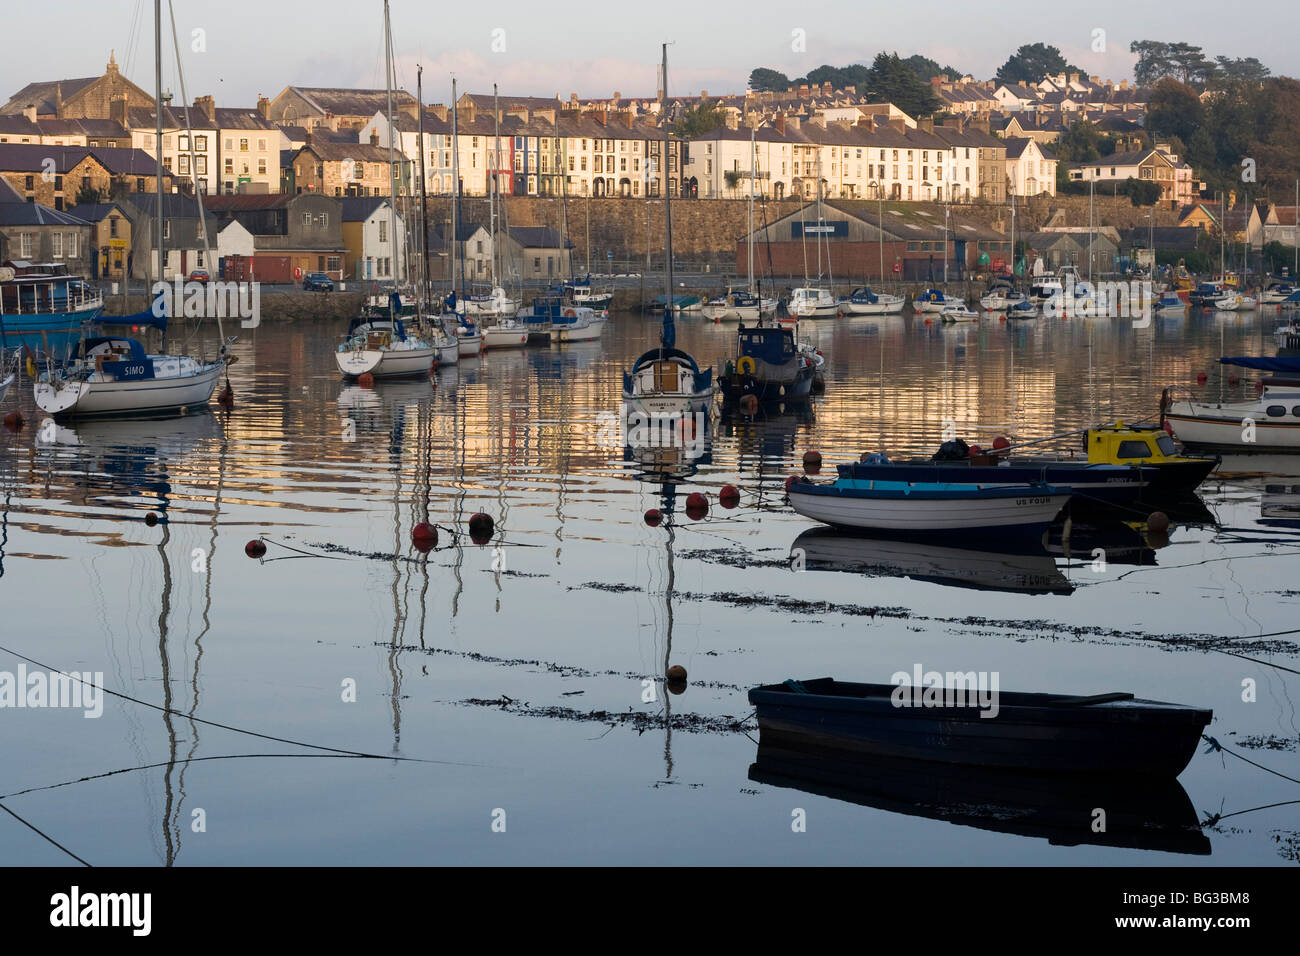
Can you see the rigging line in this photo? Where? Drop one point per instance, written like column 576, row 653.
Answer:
column 43, row 835
column 238, row 730
column 1236, row 813
column 1218, row 746
column 164, row 763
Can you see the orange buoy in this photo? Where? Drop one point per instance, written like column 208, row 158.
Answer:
column 255, row 548
column 792, row 479
column 729, row 496
column 697, row 506
column 976, row 450
column 654, row 517
column 366, row 380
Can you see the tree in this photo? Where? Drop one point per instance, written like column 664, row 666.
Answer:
column 839, row 77
column 1080, row 143
column 1231, row 72
column 88, row 195
column 733, row 178
column 927, row 69
column 1032, row 62
column 1153, row 61
column 701, row 119
column 764, row 80
column 892, row 80
column 1174, row 109
column 1188, row 63
column 1141, row 192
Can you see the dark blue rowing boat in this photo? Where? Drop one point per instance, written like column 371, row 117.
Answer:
column 1045, row 733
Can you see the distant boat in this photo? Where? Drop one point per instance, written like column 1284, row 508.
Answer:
column 808, row 302
column 381, row 346
column 1270, row 423
column 1235, row 302
column 738, row 305
column 579, row 292
column 1170, row 302
column 862, row 301
column 958, row 313
column 1277, row 293
column 919, row 507
column 1022, row 308
column 505, row 333
column 576, row 324
column 1047, row 733
column 934, row 301
column 1207, row 293
column 43, row 308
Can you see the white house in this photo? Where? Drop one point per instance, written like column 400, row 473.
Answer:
column 368, row 238
column 234, row 241
column 1031, row 170
column 1014, row 97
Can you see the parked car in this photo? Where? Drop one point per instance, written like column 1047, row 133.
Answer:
column 200, row 275
column 317, row 282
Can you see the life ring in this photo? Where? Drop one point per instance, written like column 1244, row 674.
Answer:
column 570, row 314
column 746, row 365
column 297, row 272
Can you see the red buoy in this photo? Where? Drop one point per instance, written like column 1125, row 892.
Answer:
column 976, row 450
column 654, row 517
column 1002, row 318
column 255, row 548
column 1001, row 444
column 927, row 321
column 14, row 421
column 366, row 380
column 792, row 479
column 812, row 459
column 1158, row 522
column 424, row 536
column 697, row 506
column 729, row 496
column 151, row 519
column 481, row 527
column 1201, row 377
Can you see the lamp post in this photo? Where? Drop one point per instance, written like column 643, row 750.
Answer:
column 880, row 222
column 946, row 211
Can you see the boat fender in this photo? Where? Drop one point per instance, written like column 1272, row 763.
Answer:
column 746, row 365
column 1164, row 405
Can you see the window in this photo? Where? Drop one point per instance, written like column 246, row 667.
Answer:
column 112, row 228
column 323, row 220
column 183, row 143
column 185, row 163
column 230, row 166
column 1133, row 449
column 201, row 165
column 383, row 230
column 261, row 144
column 167, row 228
column 56, row 243
column 201, row 143
column 306, row 219
column 261, row 167
column 243, row 144
column 230, row 144
column 1275, row 411
column 139, row 184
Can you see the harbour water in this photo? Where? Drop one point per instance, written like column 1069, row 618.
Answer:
column 511, row 688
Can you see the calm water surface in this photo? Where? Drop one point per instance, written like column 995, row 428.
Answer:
column 484, row 662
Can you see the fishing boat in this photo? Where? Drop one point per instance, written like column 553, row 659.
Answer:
column 921, row 507
column 1170, row 301
column 42, row 307
column 808, row 302
column 1089, row 481
column 1163, row 468
column 1270, row 423
column 579, row 324
column 490, row 304
column 667, row 381
column 958, row 313
column 1142, row 813
column 818, row 359
column 933, row 301
column 862, row 301
column 767, row 365
column 1234, row 302
column 1207, row 293
column 579, row 293
column 1097, row 735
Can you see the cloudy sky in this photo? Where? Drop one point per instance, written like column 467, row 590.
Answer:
column 243, row 48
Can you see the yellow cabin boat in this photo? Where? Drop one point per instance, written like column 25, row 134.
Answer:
column 1149, row 446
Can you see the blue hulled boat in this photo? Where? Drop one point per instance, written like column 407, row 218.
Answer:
column 43, row 308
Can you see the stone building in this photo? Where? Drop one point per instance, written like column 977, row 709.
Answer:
column 110, row 238
column 85, row 98
column 342, row 169
column 37, row 233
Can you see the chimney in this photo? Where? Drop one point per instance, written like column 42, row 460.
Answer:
column 264, row 107
column 898, row 124
column 601, row 116
column 827, row 88
column 617, row 98
column 117, row 109
column 1123, row 84
column 573, row 101
column 58, row 100
column 29, row 111
column 112, row 63
column 207, row 106
column 1074, row 78
column 470, row 112
column 803, row 91
column 440, row 111
column 374, row 137
column 629, row 117
column 778, row 122
column 704, row 94
column 307, row 137
column 926, row 123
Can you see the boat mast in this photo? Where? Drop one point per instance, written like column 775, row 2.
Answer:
column 423, row 245
column 455, row 185
column 753, row 164
column 669, row 336
column 158, row 140
column 392, row 132
column 496, row 171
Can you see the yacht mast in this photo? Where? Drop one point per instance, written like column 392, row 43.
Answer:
column 158, row 140
column 496, row 171
column 455, row 185
column 753, row 163
column 423, row 244
column 392, row 166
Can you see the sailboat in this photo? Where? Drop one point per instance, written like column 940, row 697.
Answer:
column 495, row 303
column 743, row 304
column 114, row 375
column 378, row 343
column 667, row 381
column 812, row 301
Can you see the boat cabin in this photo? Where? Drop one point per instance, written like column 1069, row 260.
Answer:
column 1121, row 444
column 121, row 359
column 28, row 288
column 775, row 346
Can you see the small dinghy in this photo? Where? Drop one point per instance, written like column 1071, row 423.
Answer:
column 958, row 313
column 980, row 726
column 933, row 300
column 920, row 507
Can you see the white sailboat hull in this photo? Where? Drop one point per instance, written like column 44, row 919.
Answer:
column 141, row 396
column 1244, row 427
column 467, row 346
column 382, row 363
column 582, row 333
column 504, row 336
column 664, row 404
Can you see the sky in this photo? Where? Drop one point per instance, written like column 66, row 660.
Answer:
column 238, row 49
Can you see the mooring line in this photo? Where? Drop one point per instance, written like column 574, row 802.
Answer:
column 43, row 835
column 1219, row 747
column 238, row 730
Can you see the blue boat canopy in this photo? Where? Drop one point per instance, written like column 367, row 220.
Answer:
column 155, row 315
column 1279, row 363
